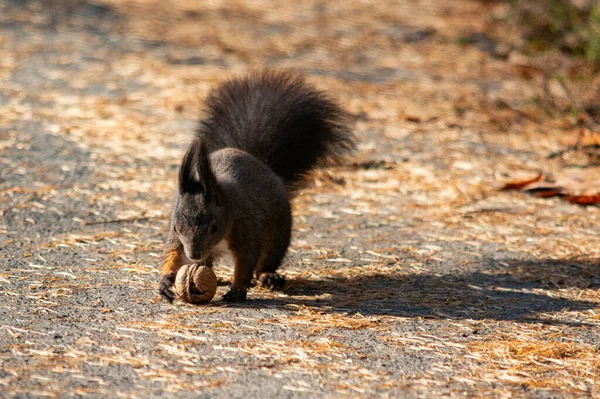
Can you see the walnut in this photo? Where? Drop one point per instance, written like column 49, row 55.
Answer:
column 196, row 283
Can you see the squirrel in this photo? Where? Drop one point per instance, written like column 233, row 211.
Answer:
column 260, row 136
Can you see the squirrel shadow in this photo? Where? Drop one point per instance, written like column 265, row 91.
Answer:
column 515, row 292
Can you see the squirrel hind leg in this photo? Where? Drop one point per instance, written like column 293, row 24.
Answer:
column 266, row 272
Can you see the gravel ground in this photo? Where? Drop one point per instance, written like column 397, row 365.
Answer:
column 410, row 274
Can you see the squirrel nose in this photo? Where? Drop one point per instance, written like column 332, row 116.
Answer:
column 190, row 254
column 194, row 255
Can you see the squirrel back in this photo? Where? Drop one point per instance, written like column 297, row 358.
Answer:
column 279, row 119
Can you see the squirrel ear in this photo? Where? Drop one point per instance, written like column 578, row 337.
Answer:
column 195, row 174
column 205, row 173
column 189, row 178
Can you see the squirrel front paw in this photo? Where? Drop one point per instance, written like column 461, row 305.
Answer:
column 235, row 295
column 166, row 282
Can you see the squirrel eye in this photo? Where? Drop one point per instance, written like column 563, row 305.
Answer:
column 213, row 228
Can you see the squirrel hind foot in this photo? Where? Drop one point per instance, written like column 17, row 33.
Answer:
column 271, row 281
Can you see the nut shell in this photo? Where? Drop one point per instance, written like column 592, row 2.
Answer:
column 196, row 283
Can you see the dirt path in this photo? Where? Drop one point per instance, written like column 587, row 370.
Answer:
column 409, row 274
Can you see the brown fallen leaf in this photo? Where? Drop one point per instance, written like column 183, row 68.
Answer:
column 584, row 193
column 584, row 199
column 546, row 192
column 582, row 138
column 572, row 189
column 523, row 66
column 520, row 184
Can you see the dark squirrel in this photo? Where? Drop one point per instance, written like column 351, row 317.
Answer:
column 260, row 136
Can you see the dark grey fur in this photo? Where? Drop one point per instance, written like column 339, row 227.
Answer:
column 260, row 136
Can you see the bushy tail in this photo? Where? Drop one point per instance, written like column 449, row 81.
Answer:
column 279, row 119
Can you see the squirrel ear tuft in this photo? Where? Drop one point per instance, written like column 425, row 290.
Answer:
column 195, row 174
column 205, row 173
column 189, row 177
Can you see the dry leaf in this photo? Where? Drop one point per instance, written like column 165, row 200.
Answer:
column 520, row 184
column 523, row 66
column 584, row 199
column 582, row 138
column 575, row 190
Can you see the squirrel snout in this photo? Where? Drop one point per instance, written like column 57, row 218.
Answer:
column 194, row 254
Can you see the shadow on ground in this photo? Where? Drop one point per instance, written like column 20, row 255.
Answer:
column 520, row 292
